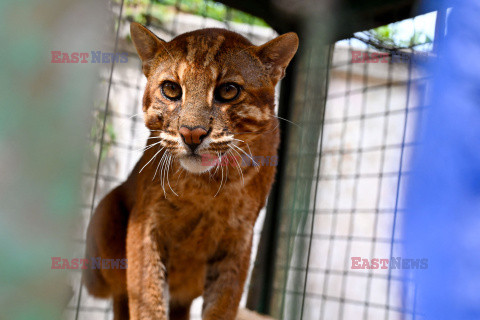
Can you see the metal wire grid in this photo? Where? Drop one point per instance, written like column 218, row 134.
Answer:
column 118, row 133
column 356, row 191
column 331, row 168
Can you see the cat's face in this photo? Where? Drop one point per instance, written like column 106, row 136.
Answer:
column 206, row 87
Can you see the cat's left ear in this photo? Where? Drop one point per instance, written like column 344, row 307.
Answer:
column 277, row 53
column 148, row 45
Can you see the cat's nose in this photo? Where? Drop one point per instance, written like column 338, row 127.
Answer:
column 193, row 136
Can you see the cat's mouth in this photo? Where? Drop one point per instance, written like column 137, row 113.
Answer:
column 196, row 163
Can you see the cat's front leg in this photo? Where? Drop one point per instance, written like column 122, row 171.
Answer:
column 145, row 272
column 225, row 278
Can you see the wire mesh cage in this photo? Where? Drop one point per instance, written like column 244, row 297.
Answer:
column 354, row 190
column 349, row 125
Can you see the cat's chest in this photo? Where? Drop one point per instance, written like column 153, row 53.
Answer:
column 193, row 229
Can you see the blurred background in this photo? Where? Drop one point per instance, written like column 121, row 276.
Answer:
column 71, row 132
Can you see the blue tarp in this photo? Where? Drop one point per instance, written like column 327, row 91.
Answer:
column 443, row 203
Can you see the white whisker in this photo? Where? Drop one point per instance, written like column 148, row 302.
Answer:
column 136, row 114
column 248, row 146
column 251, row 158
column 255, row 132
column 286, row 120
column 149, row 146
column 168, row 170
column 221, row 181
column 162, row 174
column 178, row 176
column 143, row 139
column 238, row 164
column 226, row 176
column 151, row 159
column 157, row 167
column 217, row 165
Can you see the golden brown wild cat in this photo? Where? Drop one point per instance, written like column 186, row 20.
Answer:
column 179, row 220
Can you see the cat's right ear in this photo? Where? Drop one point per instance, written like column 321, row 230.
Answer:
column 147, row 44
column 277, row 53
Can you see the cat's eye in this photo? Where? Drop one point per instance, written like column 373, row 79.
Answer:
column 227, row 92
column 171, row 90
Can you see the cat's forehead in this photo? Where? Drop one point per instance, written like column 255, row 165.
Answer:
column 209, row 40
column 207, row 47
column 210, row 54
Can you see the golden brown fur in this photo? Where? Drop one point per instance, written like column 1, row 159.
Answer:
column 179, row 222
